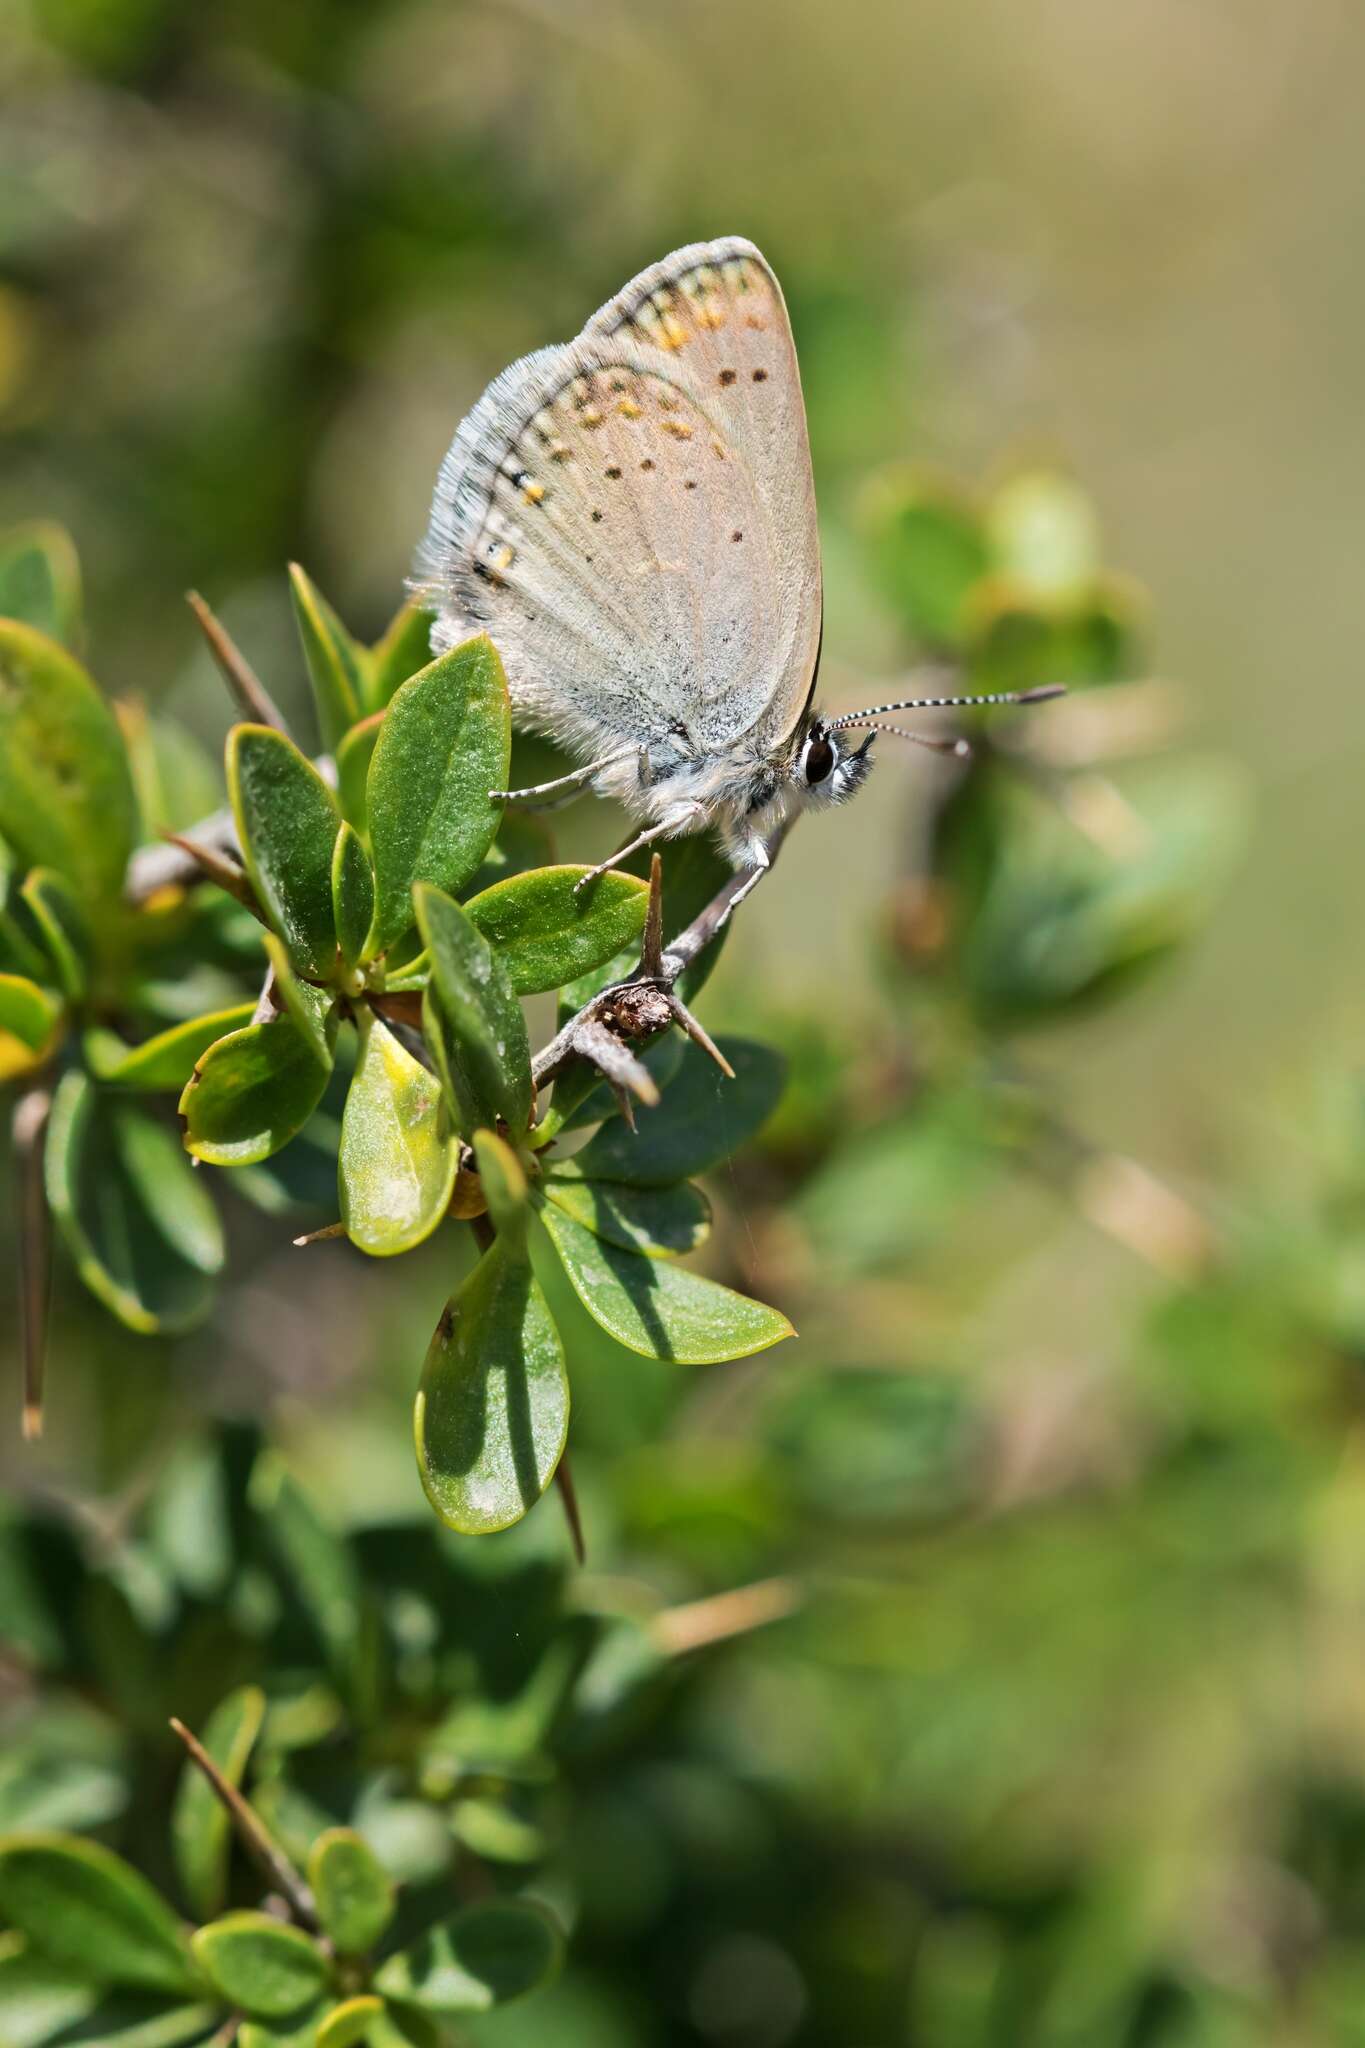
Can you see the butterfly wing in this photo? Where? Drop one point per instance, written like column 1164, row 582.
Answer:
column 631, row 516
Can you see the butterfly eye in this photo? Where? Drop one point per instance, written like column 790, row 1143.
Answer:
column 819, row 761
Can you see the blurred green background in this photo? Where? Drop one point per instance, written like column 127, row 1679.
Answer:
column 1066, row 1742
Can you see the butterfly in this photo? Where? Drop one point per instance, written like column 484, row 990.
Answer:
column 631, row 517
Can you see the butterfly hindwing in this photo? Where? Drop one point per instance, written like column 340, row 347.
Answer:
column 631, row 516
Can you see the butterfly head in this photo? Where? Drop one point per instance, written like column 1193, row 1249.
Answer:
column 827, row 767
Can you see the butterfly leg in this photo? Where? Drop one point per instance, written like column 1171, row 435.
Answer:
column 677, row 821
column 762, row 861
column 557, row 791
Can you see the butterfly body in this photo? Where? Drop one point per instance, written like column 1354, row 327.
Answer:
column 631, row 518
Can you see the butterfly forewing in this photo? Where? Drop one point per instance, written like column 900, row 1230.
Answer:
column 631, row 516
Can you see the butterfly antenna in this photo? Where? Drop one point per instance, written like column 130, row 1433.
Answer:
column 961, row 748
column 1039, row 695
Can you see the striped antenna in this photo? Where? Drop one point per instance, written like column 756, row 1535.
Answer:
column 961, row 748
column 874, row 711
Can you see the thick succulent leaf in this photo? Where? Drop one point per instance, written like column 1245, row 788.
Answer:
column 312, row 1010
column 353, row 758
column 287, row 821
column 298, row 2029
column 405, row 647
column 201, row 1833
column 475, row 1026
column 445, row 742
column 61, row 924
column 66, row 793
column 661, row 1221
column 132, row 2019
column 252, row 1092
column 352, row 894
column 165, row 1061
column 479, row 1958
column 492, row 1410
column 504, row 1186
column 654, row 1307
column 353, row 1890
column 40, row 580
column 259, row 1963
column 28, row 1012
column 545, row 934
column 350, row 2022
column 140, row 1226
column 703, row 1119
column 399, row 1150
column 83, row 1906
column 336, row 662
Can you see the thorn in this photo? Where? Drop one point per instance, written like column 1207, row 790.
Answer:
column 244, row 685
column 252, row 1829
column 652, row 943
column 698, row 1034
column 318, row 1236
column 568, row 1495
column 216, row 867
column 35, row 1252
column 699, row 1622
column 624, row 1103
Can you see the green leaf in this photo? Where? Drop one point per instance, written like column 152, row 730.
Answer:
column 298, row 2029
column 654, row 1307
column 405, row 647
column 353, row 758
column 251, row 1092
column 928, row 553
column 1044, row 536
column 475, row 1026
column 445, row 742
column 349, row 2022
column 312, row 1010
column 504, row 1186
column 352, row 1889
column 352, row 894
column 66, row 794
column 141, row 1228
column 165, row 1061
column 201, row 1832
column 399, row 1152
column 546, row 935
column 654, row 1220
column 336, row 662
column 702, row 1119
column 259, row 1964
column 176, row 778
column 287, row 821
column 40, row 580
column 317, row 1564
column 128, row 2020
column 83, row 1906
column 479, row 1958
column 27, row 1011
column 492, row 1411
column 62, row 925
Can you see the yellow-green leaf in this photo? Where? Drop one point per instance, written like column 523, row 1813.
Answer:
column 259, row 1963
column 399, row 1151
column 83, row 1906
column 252, row 1092
column 200, row 1828
column 165, row 1061
column 353, row 1890
column 336, row 662
column 66, row 793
